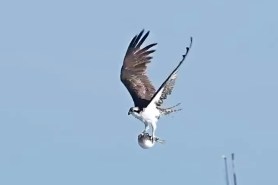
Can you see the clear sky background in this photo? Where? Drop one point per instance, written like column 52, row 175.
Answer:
column 63, row 109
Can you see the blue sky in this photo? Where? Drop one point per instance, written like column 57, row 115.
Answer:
column 63, row 109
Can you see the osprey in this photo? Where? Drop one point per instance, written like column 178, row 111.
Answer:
column 147, row 101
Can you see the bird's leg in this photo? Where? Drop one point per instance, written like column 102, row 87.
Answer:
column 153, row 138
column 146, row 128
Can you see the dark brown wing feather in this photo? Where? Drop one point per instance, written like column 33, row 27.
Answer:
column 133, row 72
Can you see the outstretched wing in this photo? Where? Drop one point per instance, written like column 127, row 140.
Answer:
column 166, row 88
column 133, row 72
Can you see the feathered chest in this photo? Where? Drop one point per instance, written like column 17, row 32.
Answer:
column 150, row 114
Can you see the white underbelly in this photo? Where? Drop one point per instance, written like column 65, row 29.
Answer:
column 138, row 116
column 151, row 114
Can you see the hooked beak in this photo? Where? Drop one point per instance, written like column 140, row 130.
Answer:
column 128, row 113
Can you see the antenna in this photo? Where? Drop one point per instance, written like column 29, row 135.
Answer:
column 226, row 169
column 233, row 166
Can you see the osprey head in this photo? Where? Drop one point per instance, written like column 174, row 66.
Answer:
column 133, row 110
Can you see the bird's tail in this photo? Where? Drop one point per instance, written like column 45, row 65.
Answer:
column 166, row 111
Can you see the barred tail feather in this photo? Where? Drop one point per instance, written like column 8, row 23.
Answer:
column 166, row 111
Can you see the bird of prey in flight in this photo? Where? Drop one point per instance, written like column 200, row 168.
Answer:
column 147, row 101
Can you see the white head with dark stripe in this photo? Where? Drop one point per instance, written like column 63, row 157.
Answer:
column 134, row 110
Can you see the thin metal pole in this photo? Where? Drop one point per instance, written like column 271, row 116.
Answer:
column 233, row 165
column 226, row 170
